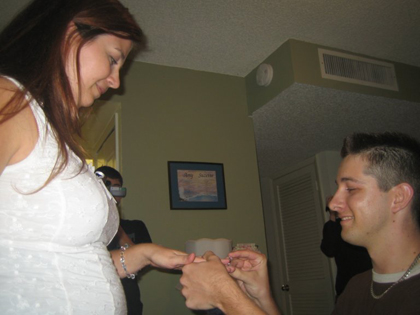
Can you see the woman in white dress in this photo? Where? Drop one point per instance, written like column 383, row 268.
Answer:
column 56, row 216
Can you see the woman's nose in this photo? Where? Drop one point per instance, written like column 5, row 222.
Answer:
column 114, row 80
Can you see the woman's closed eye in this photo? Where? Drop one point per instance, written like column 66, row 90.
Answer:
column 112, row 61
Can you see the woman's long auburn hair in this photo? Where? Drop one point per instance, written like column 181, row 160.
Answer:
column 34, row 49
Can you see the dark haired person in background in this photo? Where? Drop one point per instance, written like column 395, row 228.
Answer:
column 349, row 259
column 133, row 232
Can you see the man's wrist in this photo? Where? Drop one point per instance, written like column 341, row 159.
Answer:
column 234, row 301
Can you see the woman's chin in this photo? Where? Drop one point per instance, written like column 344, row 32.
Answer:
column 86, row 103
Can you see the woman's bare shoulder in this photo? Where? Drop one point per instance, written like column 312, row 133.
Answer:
column 18, row 128
column 7, row 91
column 7, row 85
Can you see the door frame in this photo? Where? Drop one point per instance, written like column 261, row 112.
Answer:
column 105, row 117
column 277, row 266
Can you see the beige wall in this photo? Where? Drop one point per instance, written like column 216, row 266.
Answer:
column 171, row 114
column 297, row 61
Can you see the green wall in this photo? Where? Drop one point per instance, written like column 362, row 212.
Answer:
column 171, row 114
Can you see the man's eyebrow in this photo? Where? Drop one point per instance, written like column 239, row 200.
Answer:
column 350, row 179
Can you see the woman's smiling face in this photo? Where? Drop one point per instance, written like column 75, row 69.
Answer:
column 100, row 62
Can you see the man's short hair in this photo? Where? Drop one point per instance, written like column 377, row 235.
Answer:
column 110, row 172
column 393, row 158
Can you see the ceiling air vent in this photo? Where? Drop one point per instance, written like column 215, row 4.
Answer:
column 353, row 69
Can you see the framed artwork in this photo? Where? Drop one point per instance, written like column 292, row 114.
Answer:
column 196, row 185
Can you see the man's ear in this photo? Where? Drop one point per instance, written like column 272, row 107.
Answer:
column 402, row 196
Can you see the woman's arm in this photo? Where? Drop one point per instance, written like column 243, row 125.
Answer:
column 123, row 237
column 139, row 256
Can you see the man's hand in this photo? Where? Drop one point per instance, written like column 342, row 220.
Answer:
column 249, row 268
column 204, row 283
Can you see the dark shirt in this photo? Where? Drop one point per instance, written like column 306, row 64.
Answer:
column 350, row 259
column 402, row 299
column 138, row 233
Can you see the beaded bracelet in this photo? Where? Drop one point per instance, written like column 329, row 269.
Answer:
column 122, row 260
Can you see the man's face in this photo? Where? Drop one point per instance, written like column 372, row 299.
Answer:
column 115, row 182
column 363, row 208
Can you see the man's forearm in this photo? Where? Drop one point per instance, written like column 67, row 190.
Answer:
column 268, row 305
column 237, row 303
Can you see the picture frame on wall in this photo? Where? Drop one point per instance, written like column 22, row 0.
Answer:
column 196, row 186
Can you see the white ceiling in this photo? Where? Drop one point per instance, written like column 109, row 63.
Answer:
column 234, row 36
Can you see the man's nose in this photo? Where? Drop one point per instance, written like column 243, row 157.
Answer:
column 335, row 203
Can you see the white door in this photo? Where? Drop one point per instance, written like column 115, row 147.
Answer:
column 102, row 135
column 307, row 283
column 107, row 152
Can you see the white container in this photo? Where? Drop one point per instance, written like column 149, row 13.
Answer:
column 220, row 246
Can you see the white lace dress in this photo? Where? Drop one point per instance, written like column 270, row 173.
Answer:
column 53, row 255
